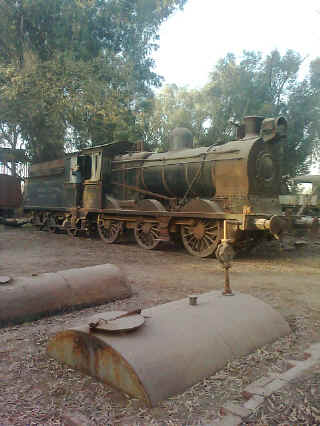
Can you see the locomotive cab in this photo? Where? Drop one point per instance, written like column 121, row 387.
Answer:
column 87, row 187
column 94, row 168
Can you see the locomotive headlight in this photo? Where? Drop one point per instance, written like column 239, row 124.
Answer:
column 265, row 167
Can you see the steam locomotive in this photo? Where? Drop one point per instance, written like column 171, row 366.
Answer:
column 199, row 196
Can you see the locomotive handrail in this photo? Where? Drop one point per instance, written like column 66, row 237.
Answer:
column 151, row 160
column 157, row 165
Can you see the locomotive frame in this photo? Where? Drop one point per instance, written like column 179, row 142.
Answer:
column 200, row 195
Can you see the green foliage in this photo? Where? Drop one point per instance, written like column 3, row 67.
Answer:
column 269, row 87
column 76, row 72
column 254, row 85
column 174, row 107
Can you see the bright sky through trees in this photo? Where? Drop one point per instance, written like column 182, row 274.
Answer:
column 192, row 41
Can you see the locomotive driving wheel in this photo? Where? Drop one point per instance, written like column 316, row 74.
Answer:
column 52, row 225
column 109, row 230
column 39, row 220
column 147, row 235
column 36, row 220
column 71, row 228
column 201, row 238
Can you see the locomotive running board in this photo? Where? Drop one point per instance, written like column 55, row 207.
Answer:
column 178, row 345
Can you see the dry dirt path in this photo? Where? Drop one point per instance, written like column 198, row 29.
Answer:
column 35, row 389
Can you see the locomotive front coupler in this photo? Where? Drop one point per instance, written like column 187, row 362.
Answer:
column 225, row 254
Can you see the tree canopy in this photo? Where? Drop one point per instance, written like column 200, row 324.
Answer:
column 250, row 85
column 76, row 71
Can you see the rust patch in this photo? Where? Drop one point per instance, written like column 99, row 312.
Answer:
column 94, row 356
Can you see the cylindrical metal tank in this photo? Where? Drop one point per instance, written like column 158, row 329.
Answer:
column 178, row 345
column 28, row 298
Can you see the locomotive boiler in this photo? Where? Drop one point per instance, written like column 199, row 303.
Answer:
column 199, row 195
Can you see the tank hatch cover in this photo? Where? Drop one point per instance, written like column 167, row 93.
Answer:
column 116, row 322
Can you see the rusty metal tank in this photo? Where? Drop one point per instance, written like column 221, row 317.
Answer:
column 28, row 298
column 178, row 345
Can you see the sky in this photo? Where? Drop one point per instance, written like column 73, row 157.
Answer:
column 193, row 40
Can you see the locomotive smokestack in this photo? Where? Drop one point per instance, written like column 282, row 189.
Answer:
column 180, row 138
column 252, row 125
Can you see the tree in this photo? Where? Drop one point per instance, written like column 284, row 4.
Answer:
column 174, row 107
column 76, row 70
column 269, row 87
column 314, row 128
column 254, row 85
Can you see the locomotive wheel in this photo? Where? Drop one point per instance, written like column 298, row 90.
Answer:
column 147, row 235
column 109, row 230
column 71, row 231
column 36, row 220
column 39, row 221
column 200, row 239
column 52, row 225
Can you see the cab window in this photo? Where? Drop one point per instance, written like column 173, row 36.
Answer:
column 85, row 164
column 90, row 166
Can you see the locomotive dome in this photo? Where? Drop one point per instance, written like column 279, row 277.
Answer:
column 180, row 138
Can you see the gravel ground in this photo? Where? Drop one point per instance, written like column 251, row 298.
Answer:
column 36, row 390
column 298, row 403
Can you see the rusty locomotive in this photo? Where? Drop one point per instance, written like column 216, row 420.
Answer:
column 199, row 196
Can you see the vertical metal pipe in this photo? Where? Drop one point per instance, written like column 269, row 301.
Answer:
column 227, row 289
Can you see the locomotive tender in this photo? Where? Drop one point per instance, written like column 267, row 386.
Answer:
column 10, row 195
column 202, row 195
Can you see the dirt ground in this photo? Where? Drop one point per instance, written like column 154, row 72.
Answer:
column 38, row 390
